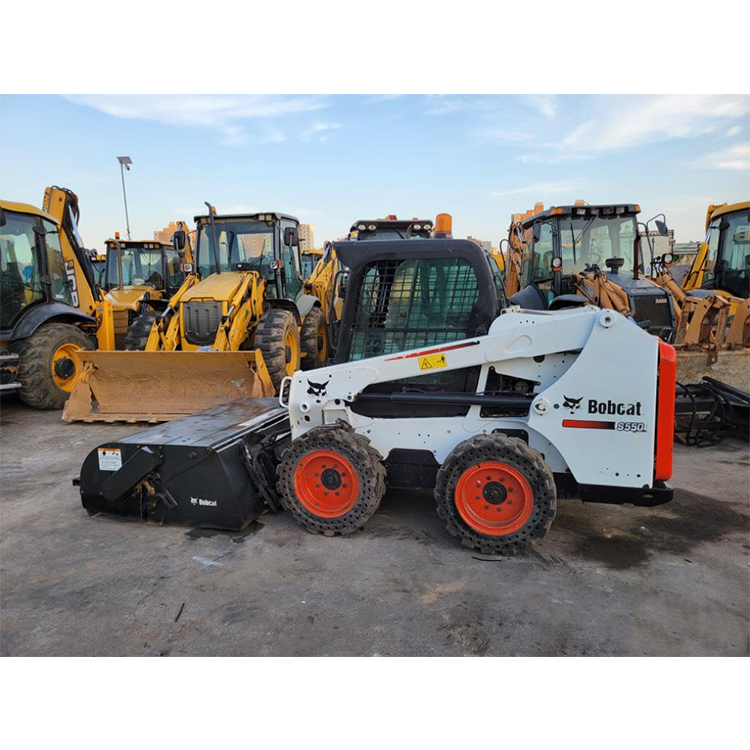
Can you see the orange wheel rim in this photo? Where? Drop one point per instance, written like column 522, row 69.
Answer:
column 66, row 366
column 326, row 484
column 493, row 498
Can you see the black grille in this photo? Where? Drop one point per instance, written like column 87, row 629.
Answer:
column 409, row 304
column 201, row 321
column 654, row 308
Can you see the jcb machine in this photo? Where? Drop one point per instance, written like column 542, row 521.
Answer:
column 713, row 303
column 722, row 263
column 139, row 279
column 52, row 307
column 308, row 260
column 233, row 331
column 437, row 385
column 582, row 254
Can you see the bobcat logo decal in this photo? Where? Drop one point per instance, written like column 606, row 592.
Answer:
column 572, row 403
column 317, row 389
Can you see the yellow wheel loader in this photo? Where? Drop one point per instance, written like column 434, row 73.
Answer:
column 722, row 263
column 713, row 303
column 139, row 279
column 231, row 331
column 52, row 307
column 309, row 259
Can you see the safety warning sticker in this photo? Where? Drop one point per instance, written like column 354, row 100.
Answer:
column 110, row 459
column 432, row 362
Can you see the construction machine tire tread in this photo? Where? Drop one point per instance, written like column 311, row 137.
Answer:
column 309, row 339
column 139, row 331
column 356, row 452
column 270, row 338
column 517, row 455
column 35, row 373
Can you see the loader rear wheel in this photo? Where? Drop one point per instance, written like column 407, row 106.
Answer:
column 48, row 368
column 314, row 339
column 277, row 337
column 496, row 494
column 139, row 331
column 331, row 480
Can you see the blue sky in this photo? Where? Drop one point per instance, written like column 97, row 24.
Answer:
column 333, row 159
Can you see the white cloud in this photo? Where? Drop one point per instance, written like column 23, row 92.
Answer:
column 734, row 158
column 378, row 98
column 549, row 156
column 633, row 122
column 318, row 131
column 545, row 104
column 733, row 131
column 225, row 114
column 274, row 136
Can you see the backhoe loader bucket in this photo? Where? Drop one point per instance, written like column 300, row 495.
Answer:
column 161, row 386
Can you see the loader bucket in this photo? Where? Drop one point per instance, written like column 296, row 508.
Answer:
column 160, row 386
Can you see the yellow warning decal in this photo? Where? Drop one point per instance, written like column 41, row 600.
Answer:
column 432, row 362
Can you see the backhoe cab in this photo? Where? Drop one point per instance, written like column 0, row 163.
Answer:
column 139, row 278
column 581, row 254
column 51, row 302
column 722, row 263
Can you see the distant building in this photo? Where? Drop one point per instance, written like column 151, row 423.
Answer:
column 486, row 245
column 165, row 235
column 306, row 237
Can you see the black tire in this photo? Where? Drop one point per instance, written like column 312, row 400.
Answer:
column 314, row 340
column 351, row 449
column 271, row 337
column 35, row 369
column 523, row 460
column 140, row 329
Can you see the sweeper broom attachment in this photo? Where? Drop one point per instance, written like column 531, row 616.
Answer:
column 215, row 469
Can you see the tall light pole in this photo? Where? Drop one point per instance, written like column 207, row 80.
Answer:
column 125, row 162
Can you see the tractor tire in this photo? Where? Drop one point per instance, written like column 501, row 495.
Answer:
column 277, row 337
column 314, row 340
column 331, row 480
column 140, row 329
column 496, row 494
column 47, row 369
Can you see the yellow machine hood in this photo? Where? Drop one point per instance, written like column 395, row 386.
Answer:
column 221, row 286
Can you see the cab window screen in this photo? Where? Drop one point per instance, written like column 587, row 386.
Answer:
column 409, row 304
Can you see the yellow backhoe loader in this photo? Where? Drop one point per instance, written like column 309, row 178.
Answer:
column 140, row 277
column 233, row 330
column 713, row 302
column 52, row 307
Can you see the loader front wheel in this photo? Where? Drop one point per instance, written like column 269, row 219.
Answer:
column 277, row 337
column 496, row 494
column 331, row 480
column 139, row 331
column 314, row 339
column 48, row 368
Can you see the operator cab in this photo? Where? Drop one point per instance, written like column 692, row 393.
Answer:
column 144, row 264
column 727, row 263
column 564, row 241
column 32, row 269
column 267, row 243
column 403, row 295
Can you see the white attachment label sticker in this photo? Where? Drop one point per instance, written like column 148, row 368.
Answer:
column 110, row 459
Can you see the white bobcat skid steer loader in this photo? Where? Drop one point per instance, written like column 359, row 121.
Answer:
column 557, row 410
